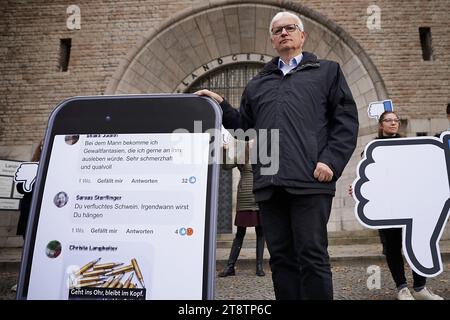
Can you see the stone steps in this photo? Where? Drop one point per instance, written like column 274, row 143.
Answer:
column 334, row 238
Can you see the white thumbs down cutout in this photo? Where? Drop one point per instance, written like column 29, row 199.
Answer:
column 406, row 183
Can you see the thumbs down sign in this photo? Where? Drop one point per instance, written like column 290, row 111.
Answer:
column 26, row 174
column 405, row 183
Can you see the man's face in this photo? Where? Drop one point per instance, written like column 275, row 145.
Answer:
column 287, row 41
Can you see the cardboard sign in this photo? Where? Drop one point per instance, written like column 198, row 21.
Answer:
column 405, row 183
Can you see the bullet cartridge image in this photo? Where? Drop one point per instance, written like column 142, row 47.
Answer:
column 108, row 275
column 128, row 281
column 90, row 284
column 86, row 267
column 120, row 270
column 137, row 270
column 116, row 281
column 106, row 265
column 92, row 279
column 99, row 272
column 108, row 282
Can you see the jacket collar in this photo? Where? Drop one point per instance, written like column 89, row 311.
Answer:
column 308, row 60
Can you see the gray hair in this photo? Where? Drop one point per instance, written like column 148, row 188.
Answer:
column 286, row 14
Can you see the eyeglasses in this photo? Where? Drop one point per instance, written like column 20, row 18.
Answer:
column 289, row 29
column 391, row 120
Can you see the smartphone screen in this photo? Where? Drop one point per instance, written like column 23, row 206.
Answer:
column 123, row 215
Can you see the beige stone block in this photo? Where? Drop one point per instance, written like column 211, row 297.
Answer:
column 247, row 21
column 188, row 25
column 261, row 36
column 342, row 51
column 157, row 48
column 322, row 49
column 351, row 65
column 446, row 232
column 419, row 125
column 203, row 25
column 370, row 96
column 174, row 68
column 14, row 242
column 233, row 32
column 262, row 19
column 14, row 152
column 361, row 102
column 333, row 226
column 337, row 203
column 168, row 39
column 195, row 37
column 4, row 231
column 5, row 218
column 169, row 79
column 354, row 89
column 351, row 225
column 439, row 125
column 203, row 53
column 333, row 57
column 217, row 22
column 3, row 241
column 365, row 84
column 211, row 44
column 356, row 75
column 330, row 38
column 224, row 46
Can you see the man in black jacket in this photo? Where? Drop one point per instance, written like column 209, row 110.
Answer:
column 309, row 104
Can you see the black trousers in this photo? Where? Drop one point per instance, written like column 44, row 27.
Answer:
column 392, row 248
column 295, row 228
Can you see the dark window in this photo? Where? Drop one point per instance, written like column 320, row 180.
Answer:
column 229, row 81
column 64, row 54
column 425, row 42
column 421, row 134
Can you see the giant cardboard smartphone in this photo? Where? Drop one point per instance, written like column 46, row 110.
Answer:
column 124, row 205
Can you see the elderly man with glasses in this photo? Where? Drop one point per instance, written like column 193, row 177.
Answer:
column 310, row 104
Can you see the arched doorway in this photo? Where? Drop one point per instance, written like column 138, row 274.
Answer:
column 202, row 37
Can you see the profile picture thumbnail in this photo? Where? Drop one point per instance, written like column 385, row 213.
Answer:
column 53, row 249
column 60, row 199
column 71, row 139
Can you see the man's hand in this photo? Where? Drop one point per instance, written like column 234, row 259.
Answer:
column 323, row 173
column 205, row 92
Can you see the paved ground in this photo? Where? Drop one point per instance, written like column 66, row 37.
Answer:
column 349, row 281
column 349, row 266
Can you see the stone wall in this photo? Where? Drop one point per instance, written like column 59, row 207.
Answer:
column 113, row 35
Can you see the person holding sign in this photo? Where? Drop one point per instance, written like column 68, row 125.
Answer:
column 391, row 238
column 25, row 202
column 389, row 124
column 247, row 211
column 305, row 104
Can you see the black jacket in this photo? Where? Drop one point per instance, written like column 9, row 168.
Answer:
column 313, row 108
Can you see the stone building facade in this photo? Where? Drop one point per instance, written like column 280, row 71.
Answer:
column 387, row 49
